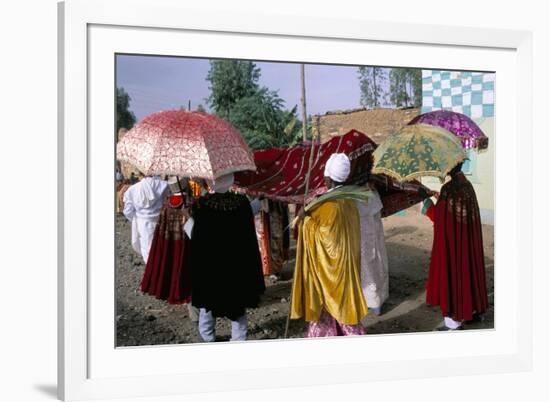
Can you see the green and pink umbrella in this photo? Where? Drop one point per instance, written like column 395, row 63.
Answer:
column 467, row 131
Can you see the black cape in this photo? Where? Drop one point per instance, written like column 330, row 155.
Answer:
column 226, row 266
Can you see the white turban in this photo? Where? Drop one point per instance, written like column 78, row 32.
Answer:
column 338, row 167
column 222, row 184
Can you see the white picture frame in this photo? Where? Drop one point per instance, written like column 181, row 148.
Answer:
column 91, row 32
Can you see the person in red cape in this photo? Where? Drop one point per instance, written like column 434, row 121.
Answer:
column 456, row 278
column 166, row 275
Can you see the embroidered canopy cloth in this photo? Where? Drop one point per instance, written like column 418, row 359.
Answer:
column 281, row 172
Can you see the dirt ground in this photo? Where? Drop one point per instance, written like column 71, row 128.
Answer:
column 144, row 320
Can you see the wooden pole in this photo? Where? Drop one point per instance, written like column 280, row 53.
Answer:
column 318, row 121
column 303, row 99
column 311, row 152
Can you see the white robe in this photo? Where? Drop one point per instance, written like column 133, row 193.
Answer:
column 374, row 258
column 142, row 204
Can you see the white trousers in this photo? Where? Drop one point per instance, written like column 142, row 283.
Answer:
column 375, row 277
column 207, row 327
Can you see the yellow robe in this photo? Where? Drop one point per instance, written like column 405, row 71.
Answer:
column 328, row 265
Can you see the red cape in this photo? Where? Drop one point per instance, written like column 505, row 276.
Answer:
column 166, row 275
column 456, row 280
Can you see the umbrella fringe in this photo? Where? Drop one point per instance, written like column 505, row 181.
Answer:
column 201, row 175
column 432, row 173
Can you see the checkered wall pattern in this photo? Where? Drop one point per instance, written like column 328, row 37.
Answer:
column 469, row 93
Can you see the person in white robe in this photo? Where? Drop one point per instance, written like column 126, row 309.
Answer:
column 142, row 204
column 374, row 257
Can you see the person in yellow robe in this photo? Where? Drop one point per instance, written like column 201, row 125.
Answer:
column 327, row 288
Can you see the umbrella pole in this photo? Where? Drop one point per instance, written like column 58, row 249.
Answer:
column 181, row 188
column 287, row 325
column 305, row 197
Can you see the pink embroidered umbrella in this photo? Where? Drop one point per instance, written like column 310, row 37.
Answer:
column 182, row 143
column 468, row 132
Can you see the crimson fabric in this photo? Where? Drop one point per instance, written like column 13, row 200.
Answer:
column 167, row 276
column 225, row 258
column 456, row 279
column 395, row 200
column 430, row 213
column 281, row 172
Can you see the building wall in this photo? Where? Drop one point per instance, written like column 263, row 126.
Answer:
column 377, row 124
column 473, row 95
column 469, row 93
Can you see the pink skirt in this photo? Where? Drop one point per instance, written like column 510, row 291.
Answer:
column 328, row 326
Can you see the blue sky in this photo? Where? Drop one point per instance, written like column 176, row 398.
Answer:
column 159, row 83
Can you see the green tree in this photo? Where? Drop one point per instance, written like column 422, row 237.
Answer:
column 255, row 111
column 263, row 122
column 201, row 108
column 398, row 88
column 406, row 87
column 371, row 81
column 415, row 79
column 124, row 117
column 231, row 80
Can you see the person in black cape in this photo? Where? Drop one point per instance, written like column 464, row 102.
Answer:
column 225, row 262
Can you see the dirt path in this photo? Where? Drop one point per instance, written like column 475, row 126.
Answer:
column 143, row 320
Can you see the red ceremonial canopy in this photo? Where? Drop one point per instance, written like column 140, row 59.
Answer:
column 281, row 172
